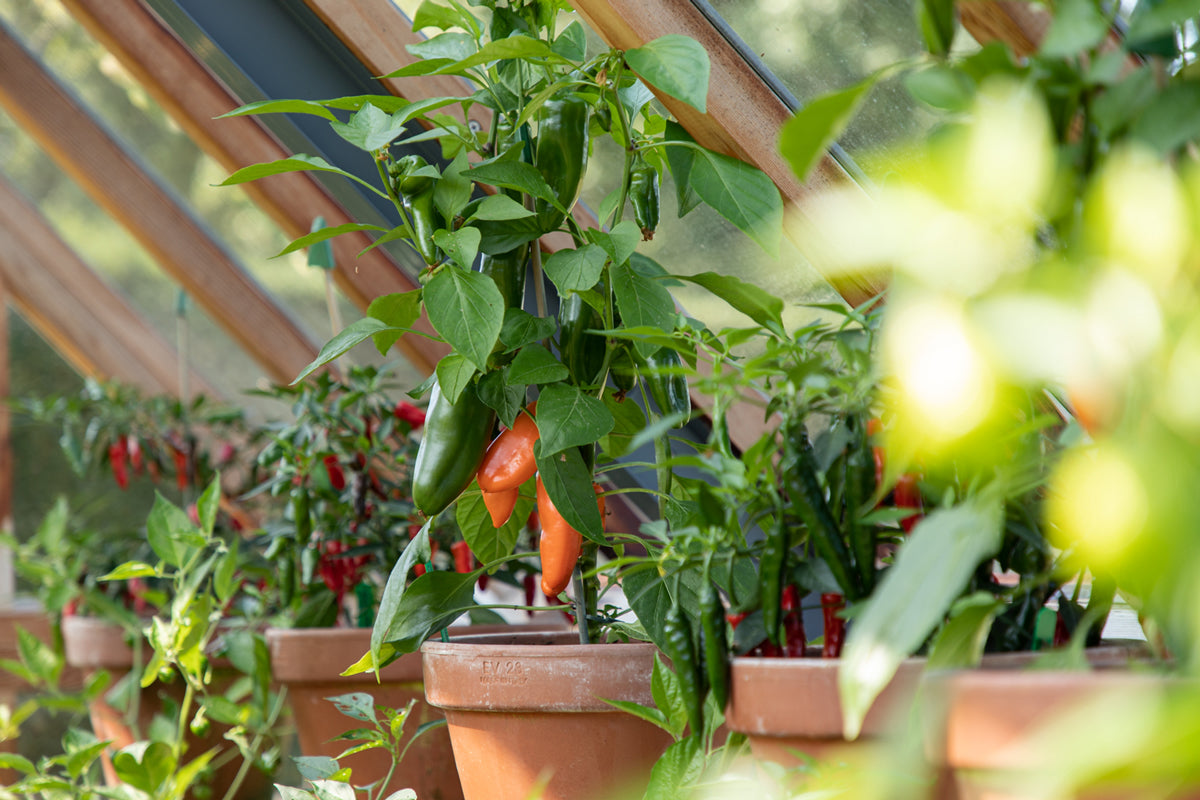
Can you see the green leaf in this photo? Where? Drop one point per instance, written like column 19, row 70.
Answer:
column 455, row 46
column 38, row 656
column 1151, row 21
column 489, row 543
column 675, row 64
column 209, row 505
column 941, row 87
column 1077, row 26
column 523, row 47
column 323, row 234
column 461, row 245
column 356, row 705
column 224, row 579
column 351, row 336
column 619, row 243
column 166, row 528
column 521, row 328
column 17, row 762
column 130, row 569
column 761, row 306
column 467, row 309
column 281, row 107
column 333, row 790
column 936, row 20
column 571, row 44
column 668, row 696
column 416, row 552
column 436, row 15
column 647, row 713
column 805, row 137
column 296, row 163
column 1117, row 107
column 681, row 160
column 430, row 603
column 452, row 193
column 628, row 420
column 1171, row 120
column 912, row 599
column 454, row 373
column 678, row 768
column 742, row 194
column 567, row 418
column 315, row 768
column 509, row 174
column 498, row 393
column 959, row 644
column 501, row 236
column 398, row 310
column 499, row 207
column 370, row 128
column 535, row 364
column 575, row 270
column 568, row 482
column 643, row 302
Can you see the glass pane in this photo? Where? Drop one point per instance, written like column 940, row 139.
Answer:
column 819, row 46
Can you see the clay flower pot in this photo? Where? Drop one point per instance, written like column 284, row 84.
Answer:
column 92, row 645
column 992, row 733
column 786, row 706
column 526, row 708
column 309, row 662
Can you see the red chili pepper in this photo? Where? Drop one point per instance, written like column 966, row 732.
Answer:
column 874, row 427
column 181, row 468
column 117, row 455
column 337, row 478
column 835, row 626
column 735, row 619
column 1061, row 634
column 530, row 584
column 407, row 412
column 369, row 428
column 795, row 639
column 463, row 560
column 225, row 453
column 134, row 448
column 907, row 494
column 419, row 570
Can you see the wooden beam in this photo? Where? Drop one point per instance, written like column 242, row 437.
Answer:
column 8, row 578
column 188, row 91
column 1020, row 25
column 116, row 182
column 90, row 324
column 743, row 117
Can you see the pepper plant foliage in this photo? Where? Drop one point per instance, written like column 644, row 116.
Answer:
column 476, row 219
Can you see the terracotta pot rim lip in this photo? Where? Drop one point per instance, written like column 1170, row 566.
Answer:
column 463, row 645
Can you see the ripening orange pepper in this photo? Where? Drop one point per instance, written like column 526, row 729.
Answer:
column 560, row 544
column 509, row 460
column 500, row 505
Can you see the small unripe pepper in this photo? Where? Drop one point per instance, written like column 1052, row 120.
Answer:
column 455, row 441
column 771, row 564
column 716, row 642
column 643, row 193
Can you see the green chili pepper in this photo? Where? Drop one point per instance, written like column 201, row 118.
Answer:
column 300, row 515
column 860, row 485
column 643, row 193
column 623, row 370
column 663, row 374
column 561, row 154
column 800, row 468
column 508, row 271
column 422, row 215
column 405, row 181
column 772, row 563
column 716, row 642
column 454, row 443
column 582, row 352
column 677, row 633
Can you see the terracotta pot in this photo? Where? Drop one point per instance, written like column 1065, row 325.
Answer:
column 788, row 706
column 526, row 708
column 94, row 644
column 309, row 662
column 989, row 730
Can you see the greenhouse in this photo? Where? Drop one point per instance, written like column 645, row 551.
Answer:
column 599, row 399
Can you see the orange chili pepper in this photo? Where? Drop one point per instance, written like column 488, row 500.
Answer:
column 500, row 505
column 509, row 459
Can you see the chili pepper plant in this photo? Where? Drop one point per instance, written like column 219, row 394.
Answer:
column 477, row 218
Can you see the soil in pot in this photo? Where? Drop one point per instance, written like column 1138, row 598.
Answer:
column 525, row 709
column 93, row 645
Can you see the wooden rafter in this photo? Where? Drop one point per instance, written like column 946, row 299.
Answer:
column 92, row 326
column 1020, row 25
column 189, row 92
column 117, row 183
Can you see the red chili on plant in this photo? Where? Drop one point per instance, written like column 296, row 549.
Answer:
column 407, row 412
column 337, row 478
